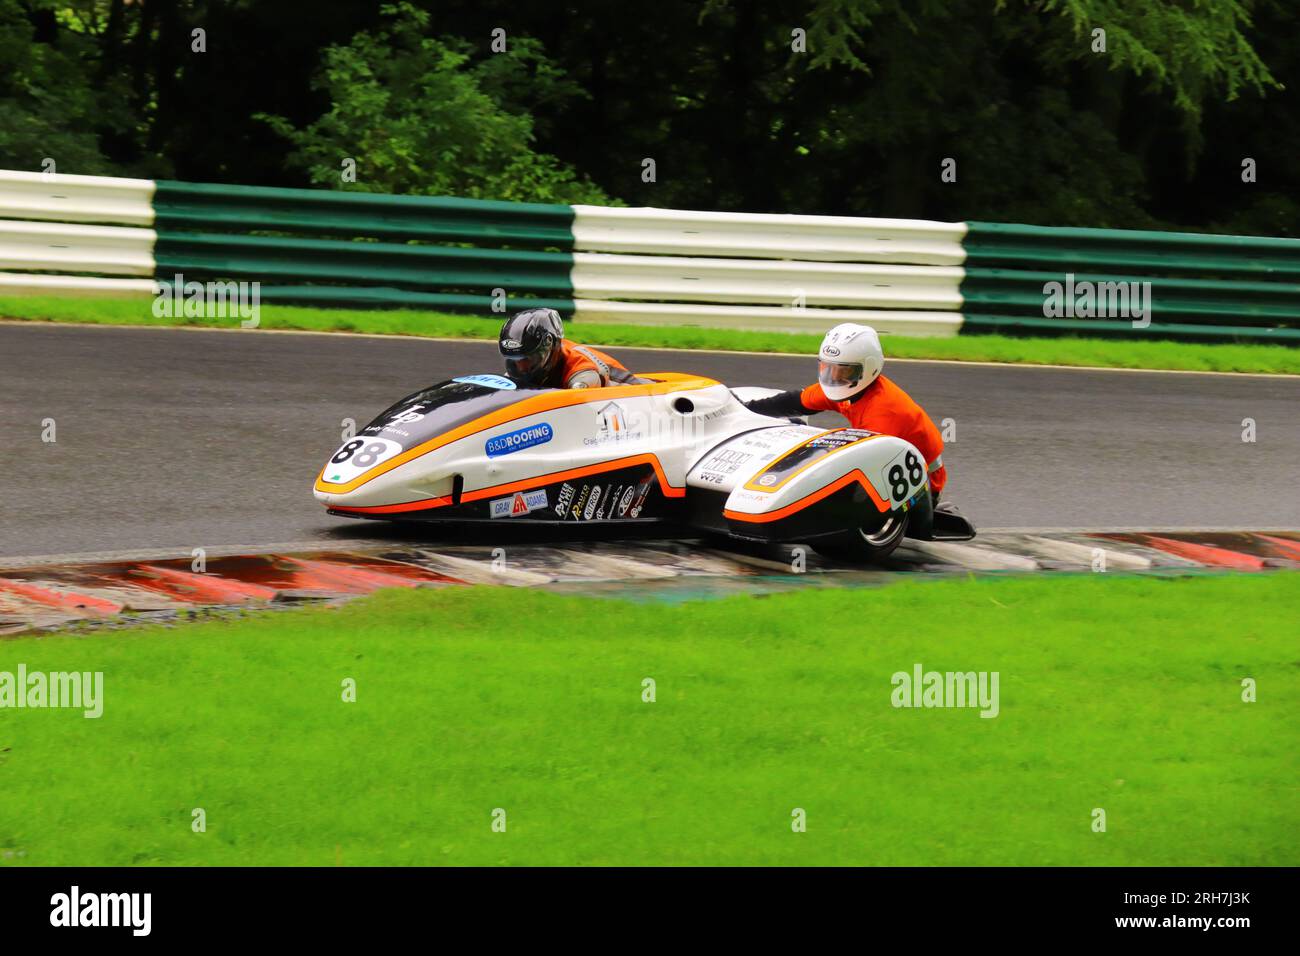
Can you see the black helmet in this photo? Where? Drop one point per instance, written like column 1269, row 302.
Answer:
column 530, row 344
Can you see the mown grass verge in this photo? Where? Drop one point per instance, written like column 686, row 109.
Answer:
column 1103, row 353
column 1118, row 694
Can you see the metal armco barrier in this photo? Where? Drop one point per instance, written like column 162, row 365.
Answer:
column 1201, row 286
column 99, row 236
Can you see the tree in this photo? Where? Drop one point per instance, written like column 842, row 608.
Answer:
column 420, row 116
column 51, row 107
column 1192, row 51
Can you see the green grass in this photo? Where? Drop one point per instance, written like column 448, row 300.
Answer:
column 1105, row 353
column 1118, row 693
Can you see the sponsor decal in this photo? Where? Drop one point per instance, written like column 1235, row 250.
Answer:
column 512, row 442
column 717, row 467
column 776, row 439
column 626, row 501
column 838, row 439
column 593, row 501
column 604, row 502
column 611, row 418
column 487, row 381
column 611, row 425
column 576, row 510
column 730, row 457
column 510, row 344
column 564, row 498
column 815, row 448
column 408, row 417
column 642, row 492
column 520, row 503
column 831, row 350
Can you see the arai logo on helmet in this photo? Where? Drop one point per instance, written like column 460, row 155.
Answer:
column 487, row 381
column 518, row 440
column 510, row 344
column 830, row 350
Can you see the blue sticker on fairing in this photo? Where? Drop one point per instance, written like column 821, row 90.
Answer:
column 489, row 381
column 515, row 441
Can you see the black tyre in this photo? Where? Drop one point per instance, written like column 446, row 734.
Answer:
column 862, row 546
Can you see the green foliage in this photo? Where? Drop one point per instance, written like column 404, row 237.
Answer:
column 1151, row 133
column 1191, row 50
column 1044, row 126
column 419, row 116
column 50, row 103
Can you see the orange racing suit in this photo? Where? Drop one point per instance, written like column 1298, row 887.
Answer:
column 581, row 366
column 881, row 407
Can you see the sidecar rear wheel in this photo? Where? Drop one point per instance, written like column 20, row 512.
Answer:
column 862, row 546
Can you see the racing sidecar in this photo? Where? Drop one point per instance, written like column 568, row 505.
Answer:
column 680, row 449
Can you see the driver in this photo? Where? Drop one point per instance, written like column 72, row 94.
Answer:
column 849, row 382
column 532, row 343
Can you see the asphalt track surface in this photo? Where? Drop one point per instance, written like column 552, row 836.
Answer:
column 178, row 438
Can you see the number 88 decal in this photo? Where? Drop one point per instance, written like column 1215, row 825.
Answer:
column 357, row 456
column 901, row 481
column 369, row 455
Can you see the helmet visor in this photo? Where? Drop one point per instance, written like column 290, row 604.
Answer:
column 839, row 374
column 531, row 368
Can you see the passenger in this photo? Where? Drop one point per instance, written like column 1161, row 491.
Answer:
column 849, row 382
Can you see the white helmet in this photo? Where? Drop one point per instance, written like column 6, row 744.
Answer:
column 850, row 359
